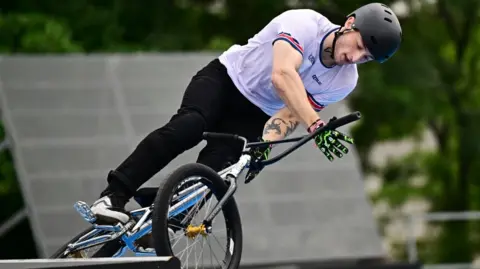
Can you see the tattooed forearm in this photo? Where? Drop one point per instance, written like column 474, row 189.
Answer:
column 278, row 124
column 291, row 127
column 274, row 125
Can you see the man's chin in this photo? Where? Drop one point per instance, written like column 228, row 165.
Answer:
column 340, row 63
column 339, row 60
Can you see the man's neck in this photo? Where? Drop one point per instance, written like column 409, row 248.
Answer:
column 327, row 50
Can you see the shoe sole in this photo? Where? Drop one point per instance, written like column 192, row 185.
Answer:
column 105, row 215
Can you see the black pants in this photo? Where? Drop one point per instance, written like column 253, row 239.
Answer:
column 211, row 102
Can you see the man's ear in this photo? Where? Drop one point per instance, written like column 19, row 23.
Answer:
column 349, row 22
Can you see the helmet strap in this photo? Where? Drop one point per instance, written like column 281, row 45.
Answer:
column 337, row 34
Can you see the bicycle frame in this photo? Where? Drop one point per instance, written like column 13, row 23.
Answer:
column 188, row 197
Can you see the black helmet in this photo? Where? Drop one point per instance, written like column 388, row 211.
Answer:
column 380, row 30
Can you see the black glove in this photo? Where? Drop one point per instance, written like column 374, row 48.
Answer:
column 328, row 141
column 259, row 153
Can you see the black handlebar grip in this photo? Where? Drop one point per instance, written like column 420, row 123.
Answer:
column 344, row 120
column 208, row 135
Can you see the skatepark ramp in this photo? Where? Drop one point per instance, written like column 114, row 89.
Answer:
column 70, row 119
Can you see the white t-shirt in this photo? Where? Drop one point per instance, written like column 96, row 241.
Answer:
column 250, row 65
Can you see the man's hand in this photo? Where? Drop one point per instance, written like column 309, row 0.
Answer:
column 329, row 141
column 259, row 153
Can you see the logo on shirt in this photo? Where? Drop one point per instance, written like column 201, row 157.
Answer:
column 316, row 79
column 311, row 58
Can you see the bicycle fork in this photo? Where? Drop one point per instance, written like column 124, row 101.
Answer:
column 231, row 176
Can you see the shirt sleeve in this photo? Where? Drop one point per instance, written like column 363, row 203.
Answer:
column 339, row 90
column 316, row 102
column 297, row 27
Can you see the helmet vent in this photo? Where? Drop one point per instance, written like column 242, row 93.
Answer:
column 388, row 12
column 383, row 5
column 373, row 39
column 387, row 19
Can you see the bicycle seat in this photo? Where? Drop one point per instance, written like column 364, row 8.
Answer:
column 145, row 196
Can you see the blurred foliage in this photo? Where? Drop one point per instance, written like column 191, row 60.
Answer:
column 34, row 33
column 430, row 85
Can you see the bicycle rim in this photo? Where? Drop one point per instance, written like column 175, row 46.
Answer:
column 190, row 242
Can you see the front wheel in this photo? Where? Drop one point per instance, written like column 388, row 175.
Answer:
column 177, row 219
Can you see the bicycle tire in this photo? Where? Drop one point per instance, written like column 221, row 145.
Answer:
column 218, row 186
column 107, row 250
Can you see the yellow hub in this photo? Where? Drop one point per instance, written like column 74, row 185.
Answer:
column 192, row 231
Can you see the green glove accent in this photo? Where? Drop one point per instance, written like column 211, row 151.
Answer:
column 260, row 153
column 329, row 142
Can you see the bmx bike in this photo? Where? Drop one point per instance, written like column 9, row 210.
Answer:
column 153, row 229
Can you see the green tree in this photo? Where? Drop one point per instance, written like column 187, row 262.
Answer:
column 34, row 33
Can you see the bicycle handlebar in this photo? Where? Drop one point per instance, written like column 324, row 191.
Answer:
column 332, row 124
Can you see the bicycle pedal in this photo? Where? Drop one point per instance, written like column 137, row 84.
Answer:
column 84, row 210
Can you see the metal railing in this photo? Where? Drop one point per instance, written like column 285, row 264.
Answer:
column 411, row 240
column 13, row 221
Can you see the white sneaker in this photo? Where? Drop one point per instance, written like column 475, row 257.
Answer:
column 110, row 209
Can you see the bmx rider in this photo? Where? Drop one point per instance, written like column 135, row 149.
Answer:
column 295, row 66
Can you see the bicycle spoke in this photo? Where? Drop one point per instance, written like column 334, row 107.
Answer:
column 188, row 252
column 188, row 247
column 218, row 241
column 208, row 208
column 180, row 236
column 215, row 256
column 195, row 209
column 191, row 249
column 201, row 252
